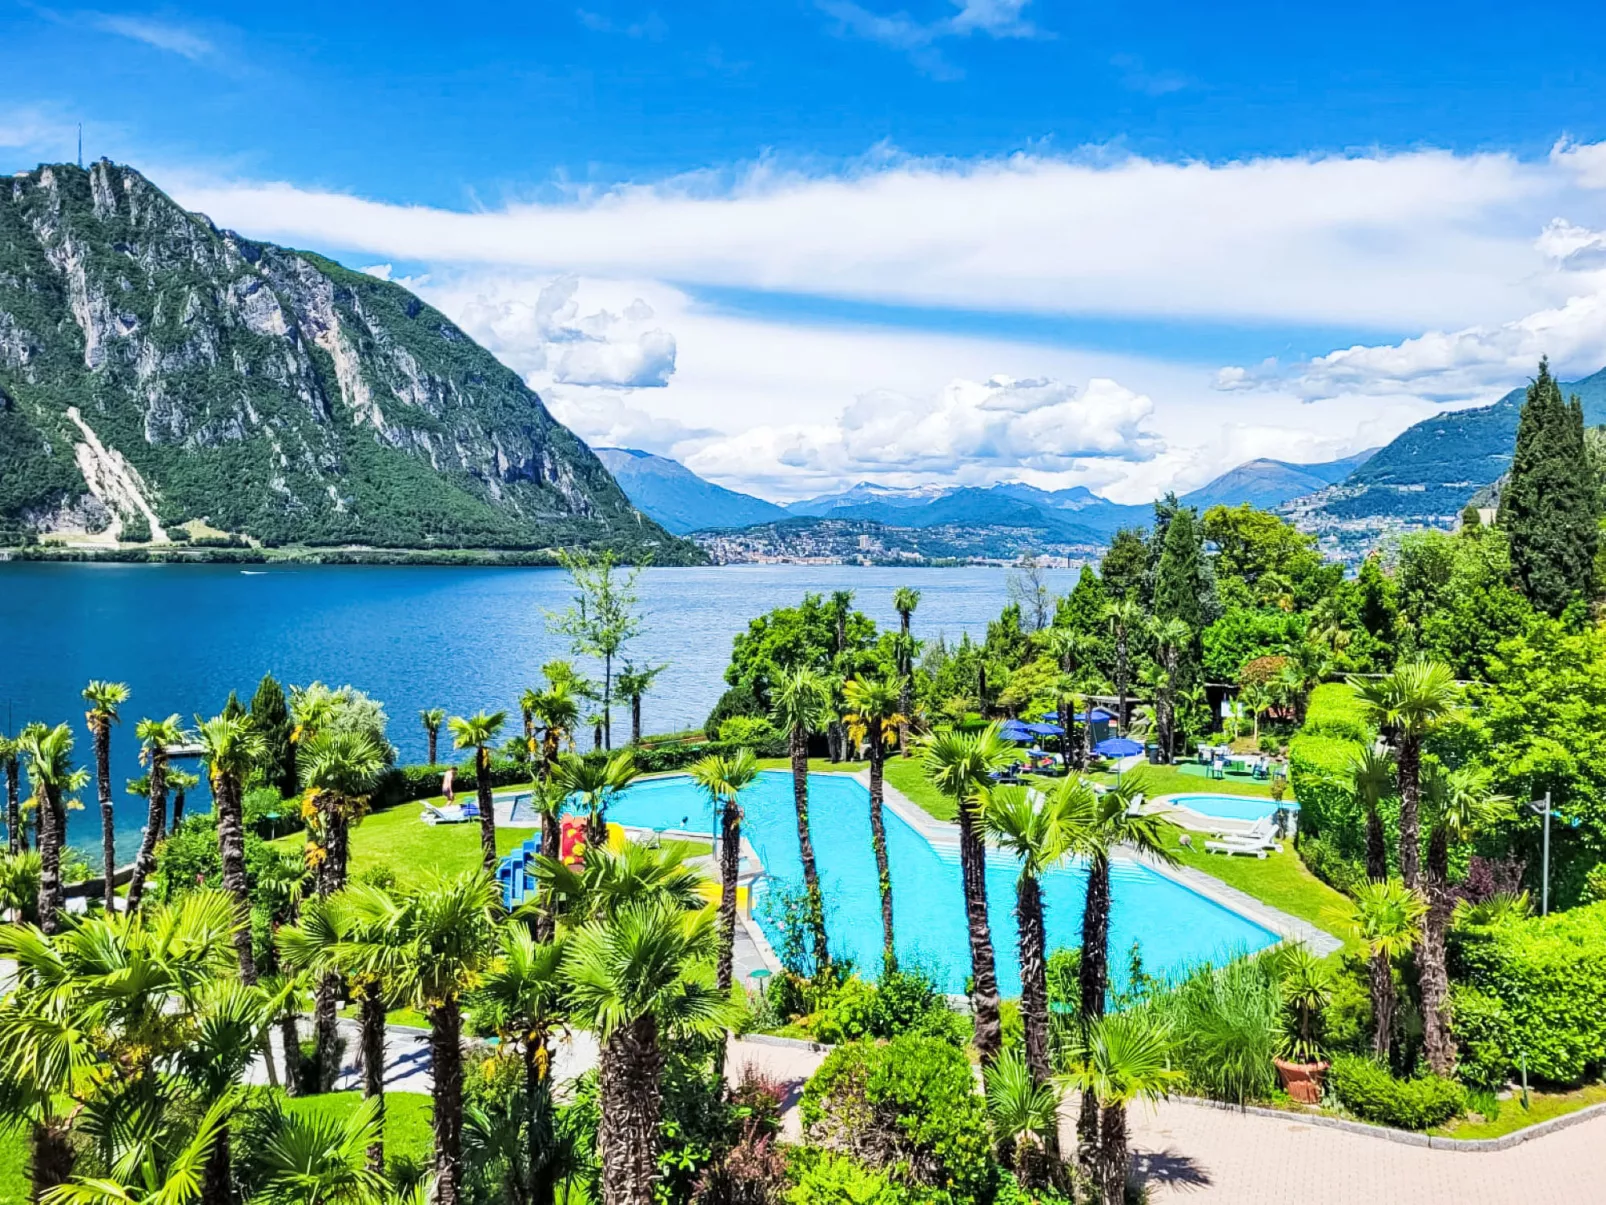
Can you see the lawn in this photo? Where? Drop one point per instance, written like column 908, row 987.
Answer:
column 1281, row 880
column 407, row 1130
column 1542, row 1106
column 1170, row 780
column 906, row 774
column 14, row 1186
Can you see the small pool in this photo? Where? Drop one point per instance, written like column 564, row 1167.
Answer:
column 1233, row 807
column 1176, row 926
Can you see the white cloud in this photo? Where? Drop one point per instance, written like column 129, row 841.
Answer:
column 163, row 35
column 378, row 271
column 995, row 18
column 1426, row 238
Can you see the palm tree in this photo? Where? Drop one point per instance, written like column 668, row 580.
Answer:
column 182, row 782
column 1113, row 825
column 961, row 765
column 1171, row 636
column 1126, row 617
column 527, row 702
column 904, row 602
column 147, row 1172
column 1024, row 1111
column 445, row 937
column 613, row 878
column 47, row 1050
column 1042, row 833
column 479, row 733
column 104, row 698
column 724, row 778
column 1371, row 782
column 596, row 782
column 321, row 1159
column 51, row 773
column 1123, row 1058
column 1461, row 803
column 16, row 839
column 231, row 748
column 801, row 705
column 631, row 684
column 521, row 999
column 639, row 979
column 1387, row 917
column 875, row 719
column 1256, row 699
column 1407, row 704
column 557, row 711
column 432, row 718
column 1072, row 651
column 155, row 738
column 229, row 1025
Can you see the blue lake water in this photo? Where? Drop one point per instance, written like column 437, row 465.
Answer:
column 1175, row 926
column 183, row 636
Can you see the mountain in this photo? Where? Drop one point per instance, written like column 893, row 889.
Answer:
column 671, row 494
column 156, row 371
column 1269, row 483
column 1428, row 473
column 868, row 494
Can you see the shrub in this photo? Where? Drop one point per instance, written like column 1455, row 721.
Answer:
column 903, row 1002
column 136, row 529
column 747, row 730
column 1595, row 884
column 1486, row 1037
column 1334, row 712
column 909, row 1107
column 1372, row 1094
column 827, row 1179
column 1549, row 976
column 1319, row 770
column 1228, row 1026
column 269, row 815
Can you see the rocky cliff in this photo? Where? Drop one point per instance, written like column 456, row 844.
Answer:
column 159, row 373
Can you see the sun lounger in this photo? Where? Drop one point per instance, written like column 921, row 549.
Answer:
column 1243, row 845
column 452, row 813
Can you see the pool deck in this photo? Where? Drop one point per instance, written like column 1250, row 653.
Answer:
column 944, row 834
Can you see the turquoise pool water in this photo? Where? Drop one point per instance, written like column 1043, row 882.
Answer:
column 1176, row 926
column 1233, row 807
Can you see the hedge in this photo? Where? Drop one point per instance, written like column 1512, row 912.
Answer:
column 1334, row 711
column 1319, row 772
column 1367, row 1090
column 1548, row 977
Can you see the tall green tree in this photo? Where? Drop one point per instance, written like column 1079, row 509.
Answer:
column 875, row 719
column 1179, row 588
column 479, row 733
column 270, row 717
column 802, row 706
column 232, row 747
column 155, row 738
column 1121, row 1059
column 904, row 602
column 1550, row 507
column 1371, row 782
column 1124, row 571
column 602, row 619
column 1386, row 917
column 432, row 718
column 724, row 778
column 104, row 698
column 961, row 765
column 53, row 777
column 1125, row 615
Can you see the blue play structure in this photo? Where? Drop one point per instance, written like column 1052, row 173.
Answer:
column 516, row 874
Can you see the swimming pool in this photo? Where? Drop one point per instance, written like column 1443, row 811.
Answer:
column 1177, row 927
column 1233, row 807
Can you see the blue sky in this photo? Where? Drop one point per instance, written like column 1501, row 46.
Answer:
column 761, row 228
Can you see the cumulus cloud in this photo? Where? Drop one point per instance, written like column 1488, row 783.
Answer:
column 544, row 332
column 1388, row 241
column 969, row 430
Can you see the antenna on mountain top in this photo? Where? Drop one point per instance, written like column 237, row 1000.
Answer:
column 80, row 146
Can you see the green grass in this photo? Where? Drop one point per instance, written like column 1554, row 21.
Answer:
column 396, row 1016
column 1170, row 780
column 1281, row 880
column 1542, row 1106
column 407, row 1129
column 905, row 774
column 14, row 1186
column 817, row 765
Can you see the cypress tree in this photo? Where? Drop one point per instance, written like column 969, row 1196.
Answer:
column 1125, row 567
column 270, row 715
column 1550, row 505
column 1179, row 586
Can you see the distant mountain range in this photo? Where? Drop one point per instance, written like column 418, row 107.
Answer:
column 1076, row 517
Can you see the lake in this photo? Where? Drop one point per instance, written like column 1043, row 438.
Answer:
column 183, row 636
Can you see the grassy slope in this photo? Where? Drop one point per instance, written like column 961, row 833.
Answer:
column 1513, row 1117
column 1169, row 780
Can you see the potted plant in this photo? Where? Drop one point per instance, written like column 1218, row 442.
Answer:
column 1307, row 984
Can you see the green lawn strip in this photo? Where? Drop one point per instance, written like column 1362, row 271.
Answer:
column 1280, row 880
column 407, row 1129
column 396, row 1016
column 1170, row 780
column 1542, row 1106
column 15, row 1188
column 817, row 765
column 906, row 775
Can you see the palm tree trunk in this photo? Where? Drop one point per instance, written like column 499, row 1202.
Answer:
column 100, row 731
column 631, row 1064
column 1438, row 1043
column 446, row 1061
column 1410, row 770
column 16, row 839
column 805, row 844
column 551, row 837
column 1087, row 732
column 635, row 718
column 178, row 808
column 537, row 1123
column 51, row 823
column 878, row 839
column 231, row 848
column 217, row 1180
column 607, row 701
column 730, row 856
column 52, row 1156
column 1092, row 983
column 1114, row 1159
column 433, row 735
column 1377, row 850
column 482, row 791
column 145, row 861
column 290, row 1039
column 373, row 1069
column 1033, row 976
column 1382, row 975
column 989, row 1035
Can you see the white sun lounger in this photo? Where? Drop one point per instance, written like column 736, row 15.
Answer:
column 455, row 813
column 1229, row 845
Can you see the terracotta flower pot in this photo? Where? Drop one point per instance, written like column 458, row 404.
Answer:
column 1302, row 1081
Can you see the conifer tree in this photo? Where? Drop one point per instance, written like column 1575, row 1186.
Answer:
column 1550, row 506
column 1179, row 585
column 270, row 716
